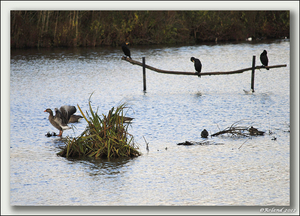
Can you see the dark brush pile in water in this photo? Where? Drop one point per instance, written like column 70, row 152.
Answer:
column 105, row 137
column 207, row 142
column 234, row 130
column 240, row 131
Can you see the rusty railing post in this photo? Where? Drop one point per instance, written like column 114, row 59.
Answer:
column 144, row 74
column 252, row 74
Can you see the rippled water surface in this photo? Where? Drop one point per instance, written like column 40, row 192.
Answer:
column 174, row 109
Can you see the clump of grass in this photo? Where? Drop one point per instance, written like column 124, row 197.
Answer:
column 106, row 136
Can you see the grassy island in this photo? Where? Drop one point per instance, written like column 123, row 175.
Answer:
column 105, row 136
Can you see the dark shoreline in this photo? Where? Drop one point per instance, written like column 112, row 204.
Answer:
column 38, row 29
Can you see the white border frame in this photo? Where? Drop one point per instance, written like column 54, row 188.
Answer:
column 6, row 6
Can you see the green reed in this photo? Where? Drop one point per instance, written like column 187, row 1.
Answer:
column 106, row 136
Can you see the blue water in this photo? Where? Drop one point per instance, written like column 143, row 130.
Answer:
column 174, row 109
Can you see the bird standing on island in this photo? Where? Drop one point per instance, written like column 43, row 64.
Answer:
column 264, row 58
column 197, row 64
column 126, row 50
column 127, row 119
column 75, row 118
column 61, row 118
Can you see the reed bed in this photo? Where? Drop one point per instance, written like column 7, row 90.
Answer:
column 82, row 28
column 106, row 136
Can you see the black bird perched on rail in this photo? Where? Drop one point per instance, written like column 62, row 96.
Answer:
column 264, row 58
column 197, row 64
column 126, row 50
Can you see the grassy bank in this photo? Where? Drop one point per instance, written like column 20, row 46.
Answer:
column 97, row 28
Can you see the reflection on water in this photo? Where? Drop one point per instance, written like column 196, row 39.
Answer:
column 174, row 109
column 105, row 167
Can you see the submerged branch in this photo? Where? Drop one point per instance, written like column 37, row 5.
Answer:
column 236, row 130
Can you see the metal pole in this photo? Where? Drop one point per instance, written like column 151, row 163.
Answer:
column 252, row 74
column 144, row 74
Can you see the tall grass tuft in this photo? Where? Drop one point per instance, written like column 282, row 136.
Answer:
column 106, row 136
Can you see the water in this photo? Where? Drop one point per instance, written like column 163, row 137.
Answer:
column 174, row 109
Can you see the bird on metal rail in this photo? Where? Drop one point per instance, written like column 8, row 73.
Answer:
column 126, row 50
column 264, row 58
column 197, row 64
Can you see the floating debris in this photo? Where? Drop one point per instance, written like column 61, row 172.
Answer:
column 254, row 132
column 48, row 134
column 186, row 143
column 236, row 130
column 199, row 143
column 251, row 91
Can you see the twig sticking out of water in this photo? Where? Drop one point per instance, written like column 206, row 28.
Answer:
column 147, row 147
column 242, row 144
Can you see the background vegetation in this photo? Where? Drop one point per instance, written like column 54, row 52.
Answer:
column 96, row 28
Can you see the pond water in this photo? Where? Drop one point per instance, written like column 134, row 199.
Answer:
column 175, row 108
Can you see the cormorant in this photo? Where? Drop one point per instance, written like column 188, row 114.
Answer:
column 126, row 50
column 197, row 64
column 264, row 58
